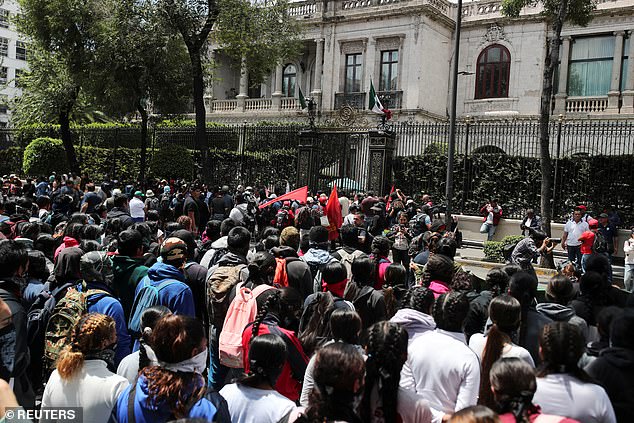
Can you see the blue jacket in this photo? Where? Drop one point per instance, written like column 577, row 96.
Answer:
column 110, row 306
column 152, row 412
column 177, row 296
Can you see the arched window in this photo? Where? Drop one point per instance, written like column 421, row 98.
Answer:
column 492, row 73
column 289, row 77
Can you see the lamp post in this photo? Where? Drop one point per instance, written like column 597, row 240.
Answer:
column 452, row 117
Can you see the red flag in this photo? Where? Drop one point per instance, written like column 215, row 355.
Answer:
column 389, row 199
column 333, row 211
column 299, row 194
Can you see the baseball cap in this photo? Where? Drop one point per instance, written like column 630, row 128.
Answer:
column 604, row 215
column 173, row 249
column 138, row 194
column 593, row 223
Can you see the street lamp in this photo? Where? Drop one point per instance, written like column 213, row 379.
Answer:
column 452, row 118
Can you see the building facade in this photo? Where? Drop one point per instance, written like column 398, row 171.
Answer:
column 13, row 55
column 405, row 48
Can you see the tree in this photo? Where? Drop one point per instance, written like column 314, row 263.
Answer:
column 263, row 33
column 138, row 64
column 556, row 13
column 61, row 31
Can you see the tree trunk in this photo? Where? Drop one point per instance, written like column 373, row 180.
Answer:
column 67, row 140
column 144, row 123
column 546, row 163
column 199, row 102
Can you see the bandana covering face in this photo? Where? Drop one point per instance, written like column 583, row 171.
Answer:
column 196, row 364
column 335, row 288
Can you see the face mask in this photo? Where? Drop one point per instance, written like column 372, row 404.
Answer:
column 107, row 355
column 196, row 364
column 7, row 351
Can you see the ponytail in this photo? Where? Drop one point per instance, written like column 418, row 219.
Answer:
column 272, row 301
column 69, row 363
column 493, row 350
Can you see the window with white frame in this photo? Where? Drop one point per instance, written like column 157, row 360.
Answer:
column 4, row 47
column 289, row 80
column 389, row 70
column 20, row 50
column 354, row 67
column 590, row 68
column 4, row 18
column 4, row 73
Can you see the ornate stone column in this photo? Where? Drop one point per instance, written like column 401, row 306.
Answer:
column 628, row 92
column 562, row 89
column 615, row 90
column 380, row 166
column 319, row 61
column 244, row 85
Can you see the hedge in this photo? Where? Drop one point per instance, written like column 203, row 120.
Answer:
column 11, row 160
column 494, row 250
column 44, row 156
column 172, row 161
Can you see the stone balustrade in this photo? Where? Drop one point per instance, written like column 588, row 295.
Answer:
column 257, row 104
column 223, row 105
column 287, row 104
column 290, row 103
column 305, row 9
column 586, row 104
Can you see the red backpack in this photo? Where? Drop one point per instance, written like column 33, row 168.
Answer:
column 242, row 311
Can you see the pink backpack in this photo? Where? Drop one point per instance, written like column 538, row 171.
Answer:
column 242, row 311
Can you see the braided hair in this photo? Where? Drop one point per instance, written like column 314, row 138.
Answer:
column 450, row 311
column 88, row 336
column 514, row 382
column 439, row 268
column 497, row 281
column 271, row 305
column 380, row 249
column 387, row 352
column 419, row 298
column 562, row 346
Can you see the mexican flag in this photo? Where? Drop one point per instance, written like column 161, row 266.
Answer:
column 375, row 104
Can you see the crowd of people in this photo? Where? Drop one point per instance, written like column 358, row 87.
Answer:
column 184, row 303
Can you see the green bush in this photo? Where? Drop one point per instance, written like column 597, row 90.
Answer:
column 122, row 163
column 494, row 250
column 172, row 161
column 11, row 160
column 44, row 156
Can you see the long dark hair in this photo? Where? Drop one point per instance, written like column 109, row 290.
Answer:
column 149, row 318
column 514, row 382
column 395, row 277
column 504, row 312
column 363, row 274
column 439, row 267
column 267, row 355
column 314, row 327
column 271, row 305
column 523, row 287
column 450, row 311
column 345, row 325
column 380, row 249
column 387, row 351
column 338, row 368
column 562, row 345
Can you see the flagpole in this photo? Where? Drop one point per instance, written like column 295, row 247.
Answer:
column 452, row 118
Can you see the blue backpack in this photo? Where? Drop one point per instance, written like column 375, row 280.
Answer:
column 147, row 297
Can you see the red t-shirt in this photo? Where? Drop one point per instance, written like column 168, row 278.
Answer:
column 587, row 239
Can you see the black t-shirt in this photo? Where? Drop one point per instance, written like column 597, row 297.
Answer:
column 192, row 206
column 204, row 212
column 218, row 206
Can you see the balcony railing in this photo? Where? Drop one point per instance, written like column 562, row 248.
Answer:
column 257, row 104
column 392, row 100
column 354, row 100
column 287, row 104
column 586, row 104
column 290, row 103
column 223, row 105
column 305, row 9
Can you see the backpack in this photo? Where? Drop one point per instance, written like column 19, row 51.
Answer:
column 153, row 204
column 66, row 314
column 242, row 311
column 315, row 271
column 282, row 219
column 507, row 251
column 218, row 286
column 147, row 297
column 281, row 277
column 217, row 255
column 599, row 245
column 348, row 258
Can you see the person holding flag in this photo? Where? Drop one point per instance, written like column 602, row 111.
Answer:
column 333, row 212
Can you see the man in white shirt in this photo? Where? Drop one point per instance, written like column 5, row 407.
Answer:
column 570, row 239
column 137, row 207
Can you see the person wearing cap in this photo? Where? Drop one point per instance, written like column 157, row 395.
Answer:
column 560, row 291
column 96, row 271
column 151, row 202
column 587, row 242
column 175, row 294
column 610, row 234
column 570, row 239
column 317, row 255
column 137, row 207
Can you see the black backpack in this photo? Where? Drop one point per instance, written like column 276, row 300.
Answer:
column 600, row 245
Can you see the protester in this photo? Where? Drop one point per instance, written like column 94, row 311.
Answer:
column 492, row 213
column 570, row 239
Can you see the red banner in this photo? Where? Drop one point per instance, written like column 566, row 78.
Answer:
column 299, row 194
column 333, row 211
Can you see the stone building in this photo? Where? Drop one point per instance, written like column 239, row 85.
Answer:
column 13, row 55
column 405, row 48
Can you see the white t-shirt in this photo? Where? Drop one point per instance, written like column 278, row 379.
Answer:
column 564, row 395
column 94, row 388
column 137, row 208
column 253, row 405
column 478, row 341
column 574, row 230
column 411, row 407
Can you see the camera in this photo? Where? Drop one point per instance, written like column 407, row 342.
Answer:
column 555, row 240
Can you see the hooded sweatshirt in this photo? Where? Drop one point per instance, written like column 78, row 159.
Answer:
column 176, row 296
column 67, row 266
column 316, row 258
column 561, row 313
column 68, row 242
column 217, row 245
column 415, row 322
column 128, row 272
column 147, row 410
column 614, row 370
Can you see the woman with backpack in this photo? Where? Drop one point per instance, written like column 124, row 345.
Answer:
column 368, row 302
column 81, row 378
column 271, row 318
column 174, row 388
column 253, row 397
column 380, row 252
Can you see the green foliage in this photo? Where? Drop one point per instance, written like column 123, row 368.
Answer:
column 99, row 163
column 494, row 250
column 257, row 168
column 172, row 161
column 186, row 123
column 44, row 156
column 577, row 12
column 11, row 160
